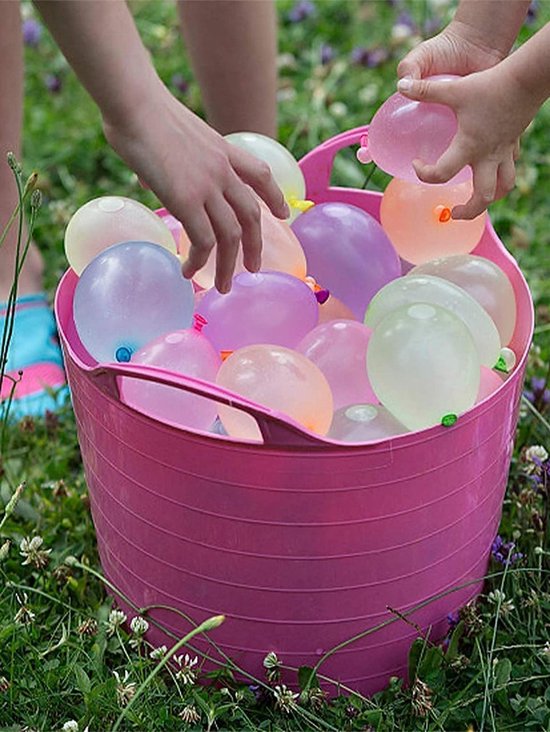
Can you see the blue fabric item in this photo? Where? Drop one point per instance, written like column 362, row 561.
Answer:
column 34, row 340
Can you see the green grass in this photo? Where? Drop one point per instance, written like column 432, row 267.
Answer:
column 59, row 666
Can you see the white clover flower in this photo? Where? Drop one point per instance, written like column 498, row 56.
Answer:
column 271, row 660
column 545, row 651
column 116, row 619
column 536, row 453
column 158, row 653
column 187, row 672
column 139, row 625
column 124, row 690
column 190, row 714
column 497, row 597
column 70, row 726
column 285, row 699
column 338, row 110
column 31, row 550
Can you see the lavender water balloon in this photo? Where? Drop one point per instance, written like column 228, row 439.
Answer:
column 186, row 352
column 339, row 349
column 266, row 307
column 129, row 295
column 347, row 252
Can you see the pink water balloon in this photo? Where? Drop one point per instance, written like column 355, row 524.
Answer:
column 266, row 307
column 417, row 219
column 347, row 252
column 364, row 423
column 277, row 378
column 403, row 130
column 281, row 251
column 182, row 352
column 127, row 296
column 489, row 382
column 339, row 349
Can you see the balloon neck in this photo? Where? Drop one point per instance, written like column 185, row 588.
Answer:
column 301, row 205
column 225, row 355
column 321, row 293
column 443, row 214
column 363, row 154
column 200, row 322
column 448, row 420
column 501, row 365
column 123, row 354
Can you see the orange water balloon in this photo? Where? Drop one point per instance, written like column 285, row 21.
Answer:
column 277, row 378
column 281, row 251
column 418, row 220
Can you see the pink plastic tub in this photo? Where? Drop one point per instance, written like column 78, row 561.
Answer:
column 300, row 542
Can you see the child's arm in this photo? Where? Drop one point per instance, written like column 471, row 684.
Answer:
column 493, row 108
column 203, row 180
column 480, row 35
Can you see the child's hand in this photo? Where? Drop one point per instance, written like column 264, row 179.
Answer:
column 492, row 109
column 458, row 49
column 203, row 180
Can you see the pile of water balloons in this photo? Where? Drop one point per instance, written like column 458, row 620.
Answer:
column 329, row 333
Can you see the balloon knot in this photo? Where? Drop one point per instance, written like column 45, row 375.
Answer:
column 200, row 322
column 444, row 214
column 301, row 205
column 449, row 419
column 123, row 354
column 322, row 295
column 363, row 154
column 501, row 365
column 225, row 355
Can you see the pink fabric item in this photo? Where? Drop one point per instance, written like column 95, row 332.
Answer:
column 34, row 379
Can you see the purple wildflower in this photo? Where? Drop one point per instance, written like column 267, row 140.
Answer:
column 32, row 32
column 453, row 619
column 327, row 54
column 538, row 393
column 503, row 551
column 301, row 10
column 53, row 83
column 406, row 19
column 179, row 82
column 371, row 58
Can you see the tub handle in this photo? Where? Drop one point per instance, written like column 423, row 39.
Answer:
column 317, row 164
column 277, row 429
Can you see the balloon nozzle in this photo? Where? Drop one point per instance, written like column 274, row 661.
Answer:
column 444, row 214
column 301, row 205
column 448, row 420
column 200, row 322
column 363, row 154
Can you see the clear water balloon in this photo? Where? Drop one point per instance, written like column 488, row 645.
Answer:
column 417, row 219
column 348, row 252
column 364, row 423
column 109, row 220
column 284, row 168
column 339, row 349
column 423, row 365
column 185, row 352
column 485, row 282
column 280, row 379
column 129, row 295
column 435, row 290
column 266, row 307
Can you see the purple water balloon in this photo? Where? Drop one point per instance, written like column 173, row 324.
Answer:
column 267, row 307
column 128, row 295
column 347, row 252
column 339, row 349
column 186, row 352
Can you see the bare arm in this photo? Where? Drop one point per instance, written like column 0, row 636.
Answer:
column 199, row 177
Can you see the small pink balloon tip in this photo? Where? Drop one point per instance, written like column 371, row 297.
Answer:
column 200, row 322
column 363, row 154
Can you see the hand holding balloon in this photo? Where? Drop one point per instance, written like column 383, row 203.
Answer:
column 492, row 112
